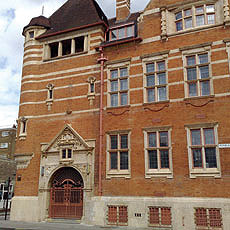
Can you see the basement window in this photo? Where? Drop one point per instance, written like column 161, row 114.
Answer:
column 54, row 49
column 117, row 215
column 66, row 47
column 79, row 44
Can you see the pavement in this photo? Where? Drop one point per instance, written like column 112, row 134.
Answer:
column 56, row 225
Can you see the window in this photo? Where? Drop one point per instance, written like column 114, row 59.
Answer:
column 158, row 152
column 122, row 32
column 156, row 82
column 118, row 89
column 4, row 145
column 194, row 17
column 198, row 75
column 208, row 218
column 118, row 154
column 31, row 34
column 50, row 91
column 66, row 153
column 160, row 217
column 66, row 47
column 23, row 128
column 203, row 150
column 5, row 133
column 117, row 215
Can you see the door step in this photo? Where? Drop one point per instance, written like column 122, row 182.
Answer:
column 64, row 221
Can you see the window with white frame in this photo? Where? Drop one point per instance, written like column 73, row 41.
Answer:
column 23, row 127
column 203, row 150
column 119, row 87
column 4, row 145
column 66, row 153
column 118, row 153
column 198, row 76
column 156, row 81
column 5, row 133
column 158, row 152
column 195, row 16
column 208, row 218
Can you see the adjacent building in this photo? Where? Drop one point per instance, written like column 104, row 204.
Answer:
column 125, row 121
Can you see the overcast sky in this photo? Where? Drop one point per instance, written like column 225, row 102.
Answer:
column 14, row 15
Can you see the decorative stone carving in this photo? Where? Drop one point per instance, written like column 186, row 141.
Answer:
column 226, row 13
column 23, row 160
column 163, row 24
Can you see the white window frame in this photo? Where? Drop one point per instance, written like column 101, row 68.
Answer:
column 4, row 145
column 155, row 58
column 110, row 67
column 204, row 171
column 159, row 172
column 197, row 50
column 5, row 133
column 110, row 173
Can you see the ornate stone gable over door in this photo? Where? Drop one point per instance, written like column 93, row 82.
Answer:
column 67, row 149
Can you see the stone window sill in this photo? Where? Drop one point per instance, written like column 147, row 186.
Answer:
column 194, row 173
column 159, row 173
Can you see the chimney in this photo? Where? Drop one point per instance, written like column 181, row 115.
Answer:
column 122, row 9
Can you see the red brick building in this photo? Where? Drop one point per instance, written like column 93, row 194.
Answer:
column 125, row 121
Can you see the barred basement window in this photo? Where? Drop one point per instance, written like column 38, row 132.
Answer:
column 156, row 82
column 198, row 75
column 160, row 217
column 117, row 215
column 208, row 218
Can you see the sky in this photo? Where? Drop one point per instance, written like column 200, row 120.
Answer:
column 14, row 15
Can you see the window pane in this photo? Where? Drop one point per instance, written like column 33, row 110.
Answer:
column 164, row 158
column 124, row 141
column 113, row 142
column 205, row 88
column 114, row 100
column 69, row 153
column 151, row 95
column 191, row 74
column 114, row 74
column 130, row 31
column 150, row 80
column 196, row 138
column 209, row 136
column 161, row 78
column 192, row 89
column 114, row 35
column 191, row 60
column 211, row 18
column 197, row 158
column 163, row 139
column 153, row 159
column 188, row 22
column 114, row 86
column 200, row 10
column 203, row 58
column 162, row 94
column 113, row 160
column 124, row 161
column 179, row 26
column 179, row 15
column 124, row 98
column 204, row 72
column 210, row 9
column 150, row 68
column 161, row 66
column 121, row 33
column 63, row 153
column 124, row 84
column 124, row 72
column 152, row 139
column 187, row 12
column 210, row 157
column 200, row 20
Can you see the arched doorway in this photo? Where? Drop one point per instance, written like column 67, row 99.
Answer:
column 66, row 194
